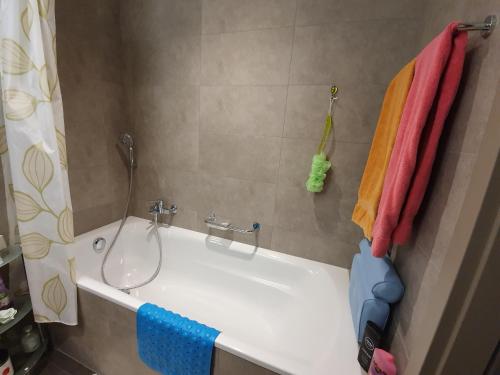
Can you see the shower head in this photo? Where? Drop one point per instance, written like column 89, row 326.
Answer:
column 127, row 140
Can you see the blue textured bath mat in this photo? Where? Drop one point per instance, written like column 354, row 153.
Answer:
column 172, row 344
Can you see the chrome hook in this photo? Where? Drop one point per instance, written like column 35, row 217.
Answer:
column 333, row 97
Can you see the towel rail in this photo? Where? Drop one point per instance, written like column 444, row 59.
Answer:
column 485, row 27
column 211, row 222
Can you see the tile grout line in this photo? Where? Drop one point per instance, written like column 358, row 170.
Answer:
column 231, row 85
column 403, row 343
column 199, row 95
column 227, row 84
column 284, row 120
column 248, row 30
column 266, row 136
column 295, row 25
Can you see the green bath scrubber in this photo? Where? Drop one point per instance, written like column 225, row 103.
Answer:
column 320, row 165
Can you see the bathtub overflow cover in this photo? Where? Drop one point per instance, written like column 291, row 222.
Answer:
column 99, row 244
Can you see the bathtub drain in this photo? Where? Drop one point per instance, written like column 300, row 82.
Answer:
column 99, row 244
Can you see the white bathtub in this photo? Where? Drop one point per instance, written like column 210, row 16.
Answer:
column 284, row 313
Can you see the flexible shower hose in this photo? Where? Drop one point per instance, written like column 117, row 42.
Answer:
column 122, row 223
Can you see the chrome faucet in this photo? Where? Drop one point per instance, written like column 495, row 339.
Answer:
column 158, row 207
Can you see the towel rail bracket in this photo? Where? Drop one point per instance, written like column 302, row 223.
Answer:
column 485, row 27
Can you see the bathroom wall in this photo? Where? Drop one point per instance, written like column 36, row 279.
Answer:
column 228, row 100
column 420, row 263
column 90, row 72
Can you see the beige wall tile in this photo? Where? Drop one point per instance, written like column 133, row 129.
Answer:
column 413, row 316
column 89, row 19
column 245, row 110
column 314, row 12
column 295, row 161
column 168, row 183
column 94, row 217
column 247, row 157
column 172, row 149
column 228, row 364
column 154, row 20
column 220, row 16
column 85, row 147
column 355, row 113
column 240, row 201
column 171, row 60
column 247, row 58
column 323, row 54
column 323, row 248
column 89, row 187
column 169, row 107
column 99, row 58
column 325, row 214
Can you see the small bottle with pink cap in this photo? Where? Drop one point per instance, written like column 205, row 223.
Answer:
column 383, row 363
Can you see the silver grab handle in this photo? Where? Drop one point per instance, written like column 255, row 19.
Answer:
column 212, row 222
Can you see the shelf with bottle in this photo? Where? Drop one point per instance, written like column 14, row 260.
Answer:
column 23, row 346
column 22, row 341
column 23, row 306
column 9, row 254
column 29, row 360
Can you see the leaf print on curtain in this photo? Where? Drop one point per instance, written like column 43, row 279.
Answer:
column 33, row 149
column 27, row 20
column 35, row 246
column 14, row 59
column 19, row 105
column 26, row 207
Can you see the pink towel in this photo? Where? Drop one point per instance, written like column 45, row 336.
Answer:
column 437, row 74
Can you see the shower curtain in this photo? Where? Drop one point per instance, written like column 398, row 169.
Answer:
column 33, row 152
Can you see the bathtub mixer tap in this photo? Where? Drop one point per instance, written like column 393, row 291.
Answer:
column 158, row 207
column 212, row 222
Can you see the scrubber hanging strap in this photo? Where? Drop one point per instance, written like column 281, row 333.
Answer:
column 328, row 121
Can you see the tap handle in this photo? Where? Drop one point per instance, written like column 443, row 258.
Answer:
column 156, row 205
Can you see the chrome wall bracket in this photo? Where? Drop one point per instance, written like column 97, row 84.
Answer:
column 486, row 27
column 212, row 222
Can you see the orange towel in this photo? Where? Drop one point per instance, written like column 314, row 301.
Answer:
column 370, row 189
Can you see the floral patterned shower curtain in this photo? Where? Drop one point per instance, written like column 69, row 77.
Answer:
column 33, row 151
